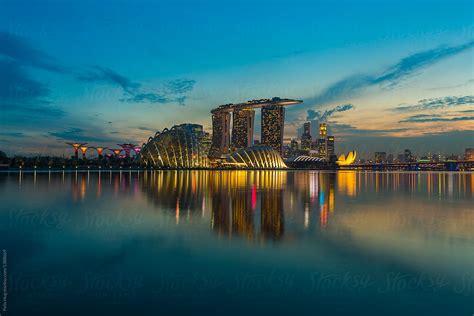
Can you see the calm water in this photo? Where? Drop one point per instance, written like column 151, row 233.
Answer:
column 238, row 242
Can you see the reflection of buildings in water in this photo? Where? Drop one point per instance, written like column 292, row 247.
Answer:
column 347, row 182
column 326, row 197
column 271, row 216
column 234, row 199
column 220, row 218
column 242, row 213
column 179, row 191
column 317, row 193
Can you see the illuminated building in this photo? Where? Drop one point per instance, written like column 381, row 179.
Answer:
column 242, row 127
column 469, row 154
column 220, row 134
column 294, row 148
column 330, row 147
column 322, row 130
column 76, row 147
column 178, row 147
column 309, row 159
column 256, row 157
column 322, row 145
column 84, row 150
column 344, row 160
column 380, row 157
column 273, row 123
column 304, row 161
column 322, row 148
column 306, row 138
column 273, row 114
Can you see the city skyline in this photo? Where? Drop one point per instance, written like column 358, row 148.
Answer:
column 402, row 80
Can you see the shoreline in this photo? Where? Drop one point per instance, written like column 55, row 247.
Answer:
column 135, row 170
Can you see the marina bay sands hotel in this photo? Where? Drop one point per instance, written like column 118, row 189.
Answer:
column 243, row 117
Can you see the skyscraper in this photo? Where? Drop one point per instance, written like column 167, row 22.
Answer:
column 322, row 142
column 322, row 130
column 273, row 119
column 242, row 127
column 306, row 136
column 220, row 134
column 330, row 146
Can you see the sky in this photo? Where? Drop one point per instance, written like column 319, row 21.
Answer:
column 384, row 75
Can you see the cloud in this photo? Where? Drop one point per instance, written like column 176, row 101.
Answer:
column 146, row 97
column 20, row 50
column 392, row 75
column 16, row 85
column 349, row 130
column 417, row 61
column 107, row 75
column 13, row 134
column 135, row 92
column 436, row 103
column 143, row 128
column 80, row 134
column 179, row 86
column 20, row 112
column 21, row 96
column 181, row 100
column 427, row 119
column 322, row 117
column 463, row 84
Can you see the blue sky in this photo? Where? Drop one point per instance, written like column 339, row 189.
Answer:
column 389, row 74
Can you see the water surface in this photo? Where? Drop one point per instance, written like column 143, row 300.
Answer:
column 238, row 242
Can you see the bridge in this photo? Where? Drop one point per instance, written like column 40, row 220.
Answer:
column 460, row 165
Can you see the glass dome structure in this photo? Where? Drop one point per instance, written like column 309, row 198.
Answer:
column 182, row 146
column 256, row 157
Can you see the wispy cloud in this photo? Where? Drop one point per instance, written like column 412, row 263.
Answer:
column 436, row 103
column 349, row 130
column 80, row 134
column 16, row 84
column 436, row 118
column 21, row 96
column 323, row 116
column 179, row 86
column 134, row 92
column 107, row 75
column 20, row 50
column 146, row 97
column 144, row 128
column 463, row 84
column 355, row 84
